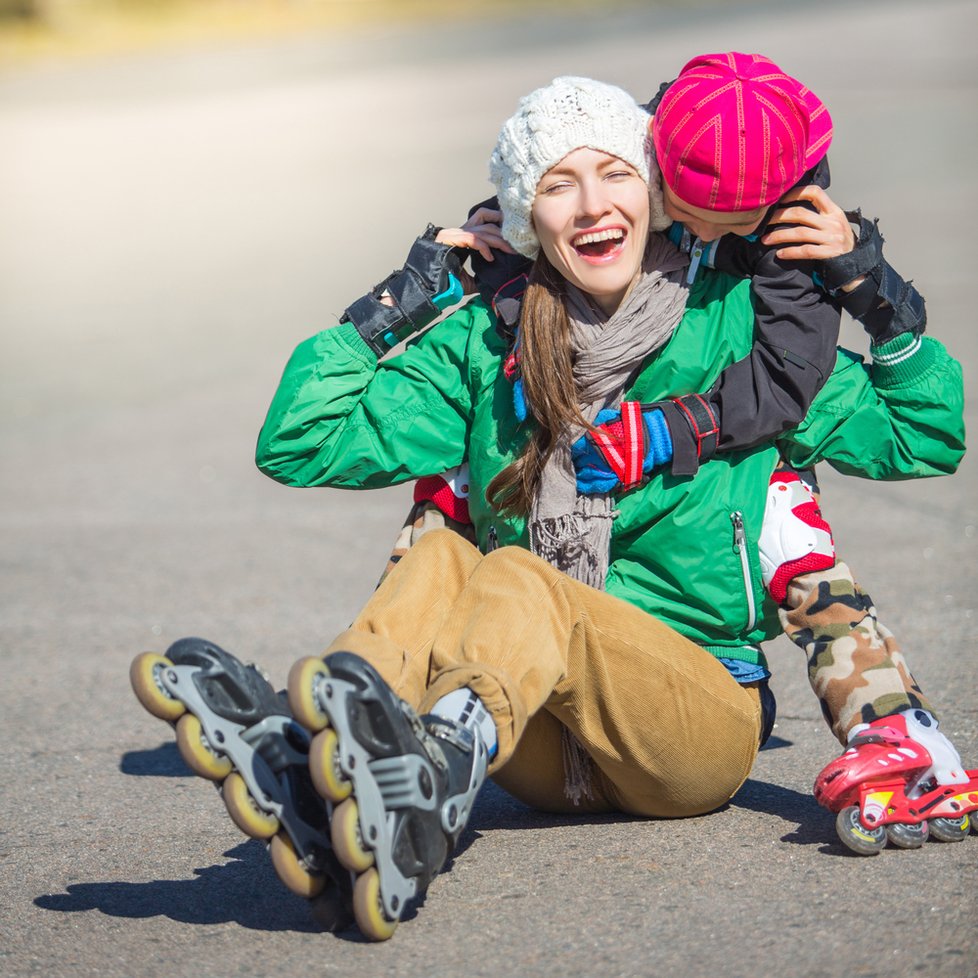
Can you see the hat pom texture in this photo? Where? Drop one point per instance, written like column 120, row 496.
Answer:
column 568, row 114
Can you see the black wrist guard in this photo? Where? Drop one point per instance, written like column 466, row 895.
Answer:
column 429, row 275
column 694, row 429
column 885, row 303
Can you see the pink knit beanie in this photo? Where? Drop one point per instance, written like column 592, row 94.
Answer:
column 734, row 132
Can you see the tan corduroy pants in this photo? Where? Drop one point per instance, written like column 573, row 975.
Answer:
column 598, row 706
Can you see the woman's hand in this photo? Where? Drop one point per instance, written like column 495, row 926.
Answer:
column 481, row 232
column 814, row 235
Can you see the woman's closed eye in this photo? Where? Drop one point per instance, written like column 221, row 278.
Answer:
column 556, row 187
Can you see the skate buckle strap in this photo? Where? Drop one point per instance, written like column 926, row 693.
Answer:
column 702, row 421
column 624, row 447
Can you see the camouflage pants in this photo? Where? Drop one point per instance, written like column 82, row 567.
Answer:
column 855, row 665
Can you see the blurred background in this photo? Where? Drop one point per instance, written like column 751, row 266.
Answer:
column 60, row 28
column 187, row 190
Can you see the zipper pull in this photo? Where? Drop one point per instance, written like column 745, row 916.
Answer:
column 695, row 256
column 492, row 540
column 740, row 537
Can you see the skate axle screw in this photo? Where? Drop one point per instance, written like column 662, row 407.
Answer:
column 172, row 676
column 373, row 833
column 219, row 736
column 329, row 691
column 351, row 762
column 395, row 902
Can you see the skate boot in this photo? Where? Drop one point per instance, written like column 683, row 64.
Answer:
column 399, row 788
column 233, row 729
column 900, row 780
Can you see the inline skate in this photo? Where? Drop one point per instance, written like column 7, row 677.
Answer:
column 399, row 788
column 900, row 781
column 233, row 729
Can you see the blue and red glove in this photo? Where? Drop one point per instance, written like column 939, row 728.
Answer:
column 623, row 449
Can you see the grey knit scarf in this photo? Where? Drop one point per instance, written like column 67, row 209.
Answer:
column 571, row 531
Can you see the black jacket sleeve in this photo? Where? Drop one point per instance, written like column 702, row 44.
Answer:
column 796, row 332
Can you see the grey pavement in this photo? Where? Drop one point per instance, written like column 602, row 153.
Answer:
column 170, row 227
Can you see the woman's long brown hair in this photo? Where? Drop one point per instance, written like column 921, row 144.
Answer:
column 546, row 367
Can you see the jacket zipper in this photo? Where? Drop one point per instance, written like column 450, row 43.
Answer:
column 740, row 545
column 492, row 541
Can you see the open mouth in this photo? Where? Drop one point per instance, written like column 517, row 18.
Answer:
column 599, row 246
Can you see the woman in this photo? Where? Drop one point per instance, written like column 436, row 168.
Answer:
column 577, row 656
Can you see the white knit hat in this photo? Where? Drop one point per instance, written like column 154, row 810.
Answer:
column 568, row 114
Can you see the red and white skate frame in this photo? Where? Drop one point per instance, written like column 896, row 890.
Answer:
column 885, row 813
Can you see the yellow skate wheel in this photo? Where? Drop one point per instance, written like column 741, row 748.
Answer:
column 244, row 810
column 197, row 753
column 290, row 871
column 371, row 917
column 344, row 830
column 144, row 675
column 304, row 676
column 324, row 767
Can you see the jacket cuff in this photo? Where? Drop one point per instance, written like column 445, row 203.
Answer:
column 902, row 360
column 348, row 334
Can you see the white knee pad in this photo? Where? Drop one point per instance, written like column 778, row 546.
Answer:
column 794, row 537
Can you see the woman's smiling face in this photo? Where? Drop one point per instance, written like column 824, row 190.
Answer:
column 591, row 214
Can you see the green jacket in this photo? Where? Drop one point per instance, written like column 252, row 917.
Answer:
column 683, row 548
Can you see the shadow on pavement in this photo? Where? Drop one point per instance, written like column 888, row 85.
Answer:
column 814, row 826
column 774, row 742
column 244, row 891
column 160, row 762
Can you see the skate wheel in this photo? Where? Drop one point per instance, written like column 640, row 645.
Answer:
column 290, row 871
column 197, row 753
column 951, row 829
column 304, row 679
column 244, row 810
column 368, row 908
column 855, row 835
column 905, row 835
column 324, row 767
column 344, row 830
column 144, row 676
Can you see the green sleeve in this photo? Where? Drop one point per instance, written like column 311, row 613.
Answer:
column 341, row 418
column 900, row 418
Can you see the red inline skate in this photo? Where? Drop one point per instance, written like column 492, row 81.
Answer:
column 900, row 780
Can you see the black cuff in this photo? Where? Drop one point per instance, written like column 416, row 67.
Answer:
column 694, row 429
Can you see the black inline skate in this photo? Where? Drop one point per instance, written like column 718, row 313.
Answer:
column 232, row 728
column 399, row 788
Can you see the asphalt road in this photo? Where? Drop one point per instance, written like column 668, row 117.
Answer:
column 170, row 226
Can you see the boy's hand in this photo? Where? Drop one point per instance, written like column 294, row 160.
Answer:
column 481, row 232
column 624, row 447
column 815, row 234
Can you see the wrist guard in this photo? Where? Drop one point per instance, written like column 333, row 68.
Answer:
column 885, row 303
column 427, row 284
column 694, row 429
